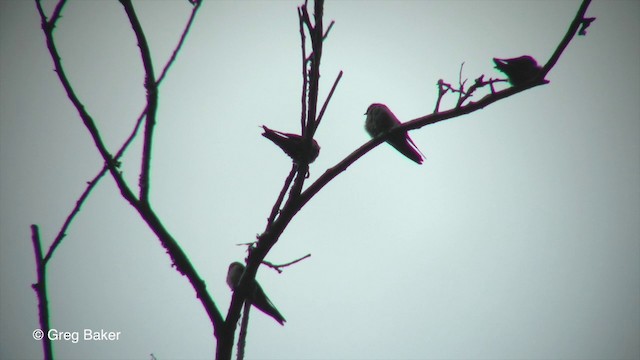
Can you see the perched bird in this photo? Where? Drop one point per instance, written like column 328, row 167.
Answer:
column 257, row 297
column 519, row 70
column 380, row 120
column 293, row 145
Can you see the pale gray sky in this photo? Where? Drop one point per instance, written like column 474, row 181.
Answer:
column 518, row 238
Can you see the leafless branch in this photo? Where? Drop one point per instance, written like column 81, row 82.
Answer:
column 326, row 102
column 152, row 100
column 183, row 37
column 91, row 184
column 287, row 183
column 326, row 33
column 305, row 74
column 578, row 20
column 40, row 288
column 178, row 257
column 278, row 268
column 242, row 336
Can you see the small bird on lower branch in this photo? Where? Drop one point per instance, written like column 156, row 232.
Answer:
column 256, row 297
column 380, row 120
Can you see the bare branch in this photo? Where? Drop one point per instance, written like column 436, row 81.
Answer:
column 152, row 100
column 183, row 37
column 91, row 184
column 278, row 268
column 326, row 102
column 40, row 288
column 578, row 20
column 461, row 84
column 305, row 74
column 326, row 33
column 178, row 257
column 276, row 206
column 84, row 115
column 56, row 13
column 242, row 337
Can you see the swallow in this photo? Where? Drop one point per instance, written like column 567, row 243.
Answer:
column 380, row 120
column 519, row 70
column 256, row 297
column 293, row 145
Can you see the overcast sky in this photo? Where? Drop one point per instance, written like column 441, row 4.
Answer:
column 518, row 238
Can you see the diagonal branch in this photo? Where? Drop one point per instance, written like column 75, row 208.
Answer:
column 183, row 37
column 573, row 28
column 326, row 102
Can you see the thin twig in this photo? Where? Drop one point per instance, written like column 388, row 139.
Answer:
column 305, row 75
column 278, row 268
column 326, row 33
column 326, row 102
column 276, row 206
column 183, row 37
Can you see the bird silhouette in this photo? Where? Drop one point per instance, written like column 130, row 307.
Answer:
column 519, row 70
column 380, row 120
column 256, row 297
column 293, row 145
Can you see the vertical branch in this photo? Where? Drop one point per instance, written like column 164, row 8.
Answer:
column 152, row 100
column 305, row 74
column 317, row 36
column 242, row 337
column 40, row 288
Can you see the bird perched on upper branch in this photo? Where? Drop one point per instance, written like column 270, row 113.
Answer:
column 380, row 120
column 519, row 70
column 256, row 297
column 293, row 145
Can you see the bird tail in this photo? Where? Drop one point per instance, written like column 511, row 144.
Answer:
column 262, row 302
column 406, row 146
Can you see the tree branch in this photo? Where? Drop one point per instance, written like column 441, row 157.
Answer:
column 183, row 37
column 152, row 100
column 86, row 118
column 40, row 288
column 178, row 257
